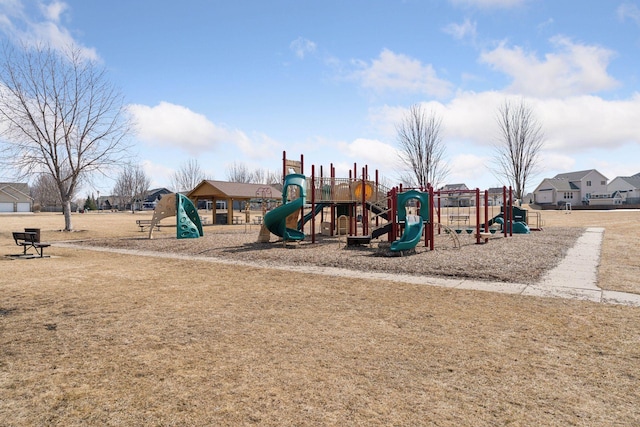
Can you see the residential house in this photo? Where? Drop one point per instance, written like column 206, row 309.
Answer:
column 14, row 197
column 574, row 187
column 628, row 188
column 153, row 197
column 453, row 195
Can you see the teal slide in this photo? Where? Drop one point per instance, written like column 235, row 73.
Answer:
column 411, row 236
column 276, row 220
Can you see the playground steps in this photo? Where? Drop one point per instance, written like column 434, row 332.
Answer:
column 358, row 240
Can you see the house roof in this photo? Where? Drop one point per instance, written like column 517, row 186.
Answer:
column 576, row 176
column 450, row 187
column 232, row 190
column 559, row 184
column 15, row 190
column 633, row 181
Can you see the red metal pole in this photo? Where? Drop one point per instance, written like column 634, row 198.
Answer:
column 364, row 199
column 486, row 213
column 332, row 172
column 439, row 209
column 313, row 204
column 477, row 216
column 430, row 224
column 284, row 165
column 510, row 212
column 505, row 225
column 394, row 209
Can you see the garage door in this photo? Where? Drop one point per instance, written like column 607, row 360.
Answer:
column 24, row 207
column 6, row 207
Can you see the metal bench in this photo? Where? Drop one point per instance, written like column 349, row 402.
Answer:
column 458, row 218
column 142, row 223
column 29, row 240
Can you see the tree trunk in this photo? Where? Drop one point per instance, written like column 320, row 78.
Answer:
column 66, row 210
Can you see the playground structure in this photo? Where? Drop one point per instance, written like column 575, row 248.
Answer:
column 363, row 209
column 188, row 224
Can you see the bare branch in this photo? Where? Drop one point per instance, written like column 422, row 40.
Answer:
column 422, row 149
column 61, row 117
column 520, row 141
column 188, row 176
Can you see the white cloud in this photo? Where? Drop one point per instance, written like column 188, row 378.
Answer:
column 574, row 69
column 468, row 168
column 54, row 10
column 629, row 11
column 580, row 123
column 302, row 46
column 397, row 72
column 375, row 153
column 467, row 29
column 171, row 125
column 159, row 174
column 24, row 27
column 259, row 147
column 573, row 126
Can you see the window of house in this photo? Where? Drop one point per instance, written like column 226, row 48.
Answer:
column 603, row 182
column 588, row 183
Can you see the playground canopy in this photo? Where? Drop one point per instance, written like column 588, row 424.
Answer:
column 230, row 192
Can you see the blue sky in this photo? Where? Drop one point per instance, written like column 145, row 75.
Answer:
column 241, row 81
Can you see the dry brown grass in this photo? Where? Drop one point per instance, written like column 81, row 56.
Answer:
column 96, row 338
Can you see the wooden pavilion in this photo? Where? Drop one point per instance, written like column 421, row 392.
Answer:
column 229, row 192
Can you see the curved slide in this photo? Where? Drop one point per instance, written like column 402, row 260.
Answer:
column 411, row 236
column 276, row 220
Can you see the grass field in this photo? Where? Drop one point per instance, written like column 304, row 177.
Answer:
column 100, row 338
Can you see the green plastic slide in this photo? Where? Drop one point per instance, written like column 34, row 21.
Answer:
column 411, row 236
column 276, row 220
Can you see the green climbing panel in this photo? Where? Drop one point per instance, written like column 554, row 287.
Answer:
column 188, row 224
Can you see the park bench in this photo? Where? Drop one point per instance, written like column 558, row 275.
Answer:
column 27, row 240
column 458, row 219
column 142, row 223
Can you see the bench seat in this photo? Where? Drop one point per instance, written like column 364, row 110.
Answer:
column 29, row 240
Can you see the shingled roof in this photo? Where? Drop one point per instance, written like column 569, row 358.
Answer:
column 231, row 190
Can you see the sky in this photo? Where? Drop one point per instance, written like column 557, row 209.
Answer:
column 242, row 81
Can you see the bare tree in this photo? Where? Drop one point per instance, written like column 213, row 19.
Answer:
column 61, row 116
column 131, row 186
column 520, row 141
column 421, row 147
column 44, row 191
column 238, row 172
column 188, row 176
column 265, row 176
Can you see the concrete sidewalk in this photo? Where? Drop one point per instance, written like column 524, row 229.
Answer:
column 574, row 278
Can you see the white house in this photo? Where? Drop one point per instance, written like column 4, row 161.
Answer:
column 573, row 187
column 628, row 187
column 14, row 197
